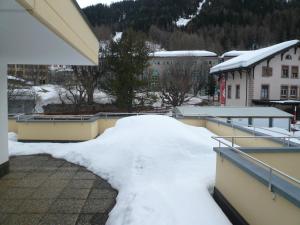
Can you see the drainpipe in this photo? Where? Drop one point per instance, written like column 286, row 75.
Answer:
column 3, row 120
column 246, row 103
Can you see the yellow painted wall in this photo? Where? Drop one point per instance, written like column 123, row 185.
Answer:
column 194, row 122
column 12, row 125
column 223, row 130
column 106, row 123
column 252, row 199
column 288, row 163
column 53, row 131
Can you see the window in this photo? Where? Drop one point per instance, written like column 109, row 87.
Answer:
column 229, row 92
column 264, row 92
column 237, row 92
column 267, row 71
column 288, row 57
column 294, row 92
column 295, row 72
column 285, row 72
column 284, row 92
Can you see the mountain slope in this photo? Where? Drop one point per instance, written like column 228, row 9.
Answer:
column 221, row 24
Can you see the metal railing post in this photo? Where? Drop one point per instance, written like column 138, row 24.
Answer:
column 270, row 179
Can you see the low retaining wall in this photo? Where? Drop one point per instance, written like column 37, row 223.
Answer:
column 283, row 159
column 225, row 129
column 89, row 127
column 248, row 193
column 57, row 131
column 12, row 125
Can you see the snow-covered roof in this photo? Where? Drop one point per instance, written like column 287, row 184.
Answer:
column 253, row 57
column 233, row 112
column 286, row 102
column 195, row 53
column 234, row 53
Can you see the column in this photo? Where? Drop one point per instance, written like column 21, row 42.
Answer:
column 4, row 165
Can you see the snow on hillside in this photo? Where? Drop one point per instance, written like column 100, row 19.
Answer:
column 118, row 36
column 162, row 169
column 182, row 22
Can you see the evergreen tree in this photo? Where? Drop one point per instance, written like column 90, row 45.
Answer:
column 127, row 60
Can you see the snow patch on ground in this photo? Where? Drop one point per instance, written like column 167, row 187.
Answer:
column 278, row 132
column 49, row 94
column 162, row 168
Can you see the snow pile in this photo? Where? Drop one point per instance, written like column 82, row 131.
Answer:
column 46, row 94
column 162, row 168
column 194, row 53
column 278, row 132
column 252, row 57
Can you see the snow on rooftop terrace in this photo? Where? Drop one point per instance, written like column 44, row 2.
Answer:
column 162, row 168
column 197, row 53
column 252, row 57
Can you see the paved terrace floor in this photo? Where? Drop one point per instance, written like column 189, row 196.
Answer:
column 41, row 190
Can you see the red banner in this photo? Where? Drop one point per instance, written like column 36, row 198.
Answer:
column 222, row 91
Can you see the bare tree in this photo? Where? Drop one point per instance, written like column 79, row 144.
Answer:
column 86, row 77
column 73, row 92
column 200, row 76
column 176, row 82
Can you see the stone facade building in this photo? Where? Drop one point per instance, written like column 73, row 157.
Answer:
column 159, row 62
column 37, row 74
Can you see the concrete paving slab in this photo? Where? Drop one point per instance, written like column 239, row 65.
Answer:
column 56, row 193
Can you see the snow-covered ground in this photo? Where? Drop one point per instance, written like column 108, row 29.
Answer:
column 49, row 94
column 162, row 168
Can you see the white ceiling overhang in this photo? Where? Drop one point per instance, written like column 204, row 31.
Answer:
column 25, row 40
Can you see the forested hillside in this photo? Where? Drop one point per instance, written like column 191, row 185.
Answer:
column 220, row 25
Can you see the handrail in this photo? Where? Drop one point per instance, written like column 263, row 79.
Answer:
column 257, row 161
column 285, row 138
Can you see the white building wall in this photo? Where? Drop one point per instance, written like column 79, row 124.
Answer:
column 3, row 114
column 233, row 81
column 276, row 81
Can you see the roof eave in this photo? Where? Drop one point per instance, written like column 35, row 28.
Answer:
column 250, row 66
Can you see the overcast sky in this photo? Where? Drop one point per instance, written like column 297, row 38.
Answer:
column 85, row 3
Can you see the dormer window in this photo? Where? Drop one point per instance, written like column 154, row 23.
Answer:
column 288, row 57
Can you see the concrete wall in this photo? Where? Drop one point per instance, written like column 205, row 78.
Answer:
column 221, row 129
column 285, row 162
column 3, row 114
column 252, row 199
column 61, row 131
